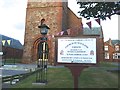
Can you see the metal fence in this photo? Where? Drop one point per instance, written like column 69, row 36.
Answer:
column 19, row 77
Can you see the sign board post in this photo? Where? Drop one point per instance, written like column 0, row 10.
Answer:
column 77, row 53
column 76, row 71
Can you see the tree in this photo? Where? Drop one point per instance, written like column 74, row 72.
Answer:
column 98, row 9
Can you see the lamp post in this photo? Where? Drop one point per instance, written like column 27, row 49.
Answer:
column 41, row 76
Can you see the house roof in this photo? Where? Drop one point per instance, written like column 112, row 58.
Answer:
column 10, row 42
column 114, row 42
column 93, row 31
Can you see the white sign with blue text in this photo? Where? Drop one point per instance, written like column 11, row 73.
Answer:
column 76, row 50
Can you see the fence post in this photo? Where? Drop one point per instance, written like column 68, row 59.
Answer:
column 11, row 79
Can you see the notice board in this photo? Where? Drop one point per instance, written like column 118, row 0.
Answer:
column 76, row 50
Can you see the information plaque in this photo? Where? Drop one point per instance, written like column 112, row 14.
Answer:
column 77, row 50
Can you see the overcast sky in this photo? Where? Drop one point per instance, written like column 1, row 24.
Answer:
column 13, row 13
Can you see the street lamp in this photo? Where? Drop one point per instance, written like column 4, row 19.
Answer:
column 41, row 76
column 43, row 29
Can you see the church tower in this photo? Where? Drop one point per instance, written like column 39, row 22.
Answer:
column 56, row 17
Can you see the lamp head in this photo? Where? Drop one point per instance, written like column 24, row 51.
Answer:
column 43, row 29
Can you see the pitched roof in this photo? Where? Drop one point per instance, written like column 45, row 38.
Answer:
column 114, row 42
column 93, row 31
column 11, row 42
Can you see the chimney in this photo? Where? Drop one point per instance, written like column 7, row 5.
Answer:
column 110, row 42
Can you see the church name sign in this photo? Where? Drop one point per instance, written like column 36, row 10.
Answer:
column 76, row 50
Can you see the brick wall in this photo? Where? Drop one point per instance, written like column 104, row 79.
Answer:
column 101, row 46
column 110, row 51
column 73, row 20
column 12, row 53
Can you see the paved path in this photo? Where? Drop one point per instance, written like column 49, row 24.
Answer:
column 12, row 72
column 9, row 70
column 117, row 64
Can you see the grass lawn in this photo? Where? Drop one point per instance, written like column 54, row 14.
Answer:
column 92, row 77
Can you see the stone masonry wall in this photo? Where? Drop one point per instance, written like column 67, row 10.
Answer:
column 35, row 12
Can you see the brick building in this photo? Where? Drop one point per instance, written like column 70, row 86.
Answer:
column 57, row 16
column 11, row 48
column 112, row 50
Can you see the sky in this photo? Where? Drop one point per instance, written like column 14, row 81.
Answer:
column 13, row 15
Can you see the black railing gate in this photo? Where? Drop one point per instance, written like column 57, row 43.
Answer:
column 41, row 76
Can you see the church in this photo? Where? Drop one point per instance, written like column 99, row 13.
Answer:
column 58, row 17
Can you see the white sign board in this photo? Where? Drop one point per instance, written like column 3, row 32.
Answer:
column 1, row 53
column 76, row 50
